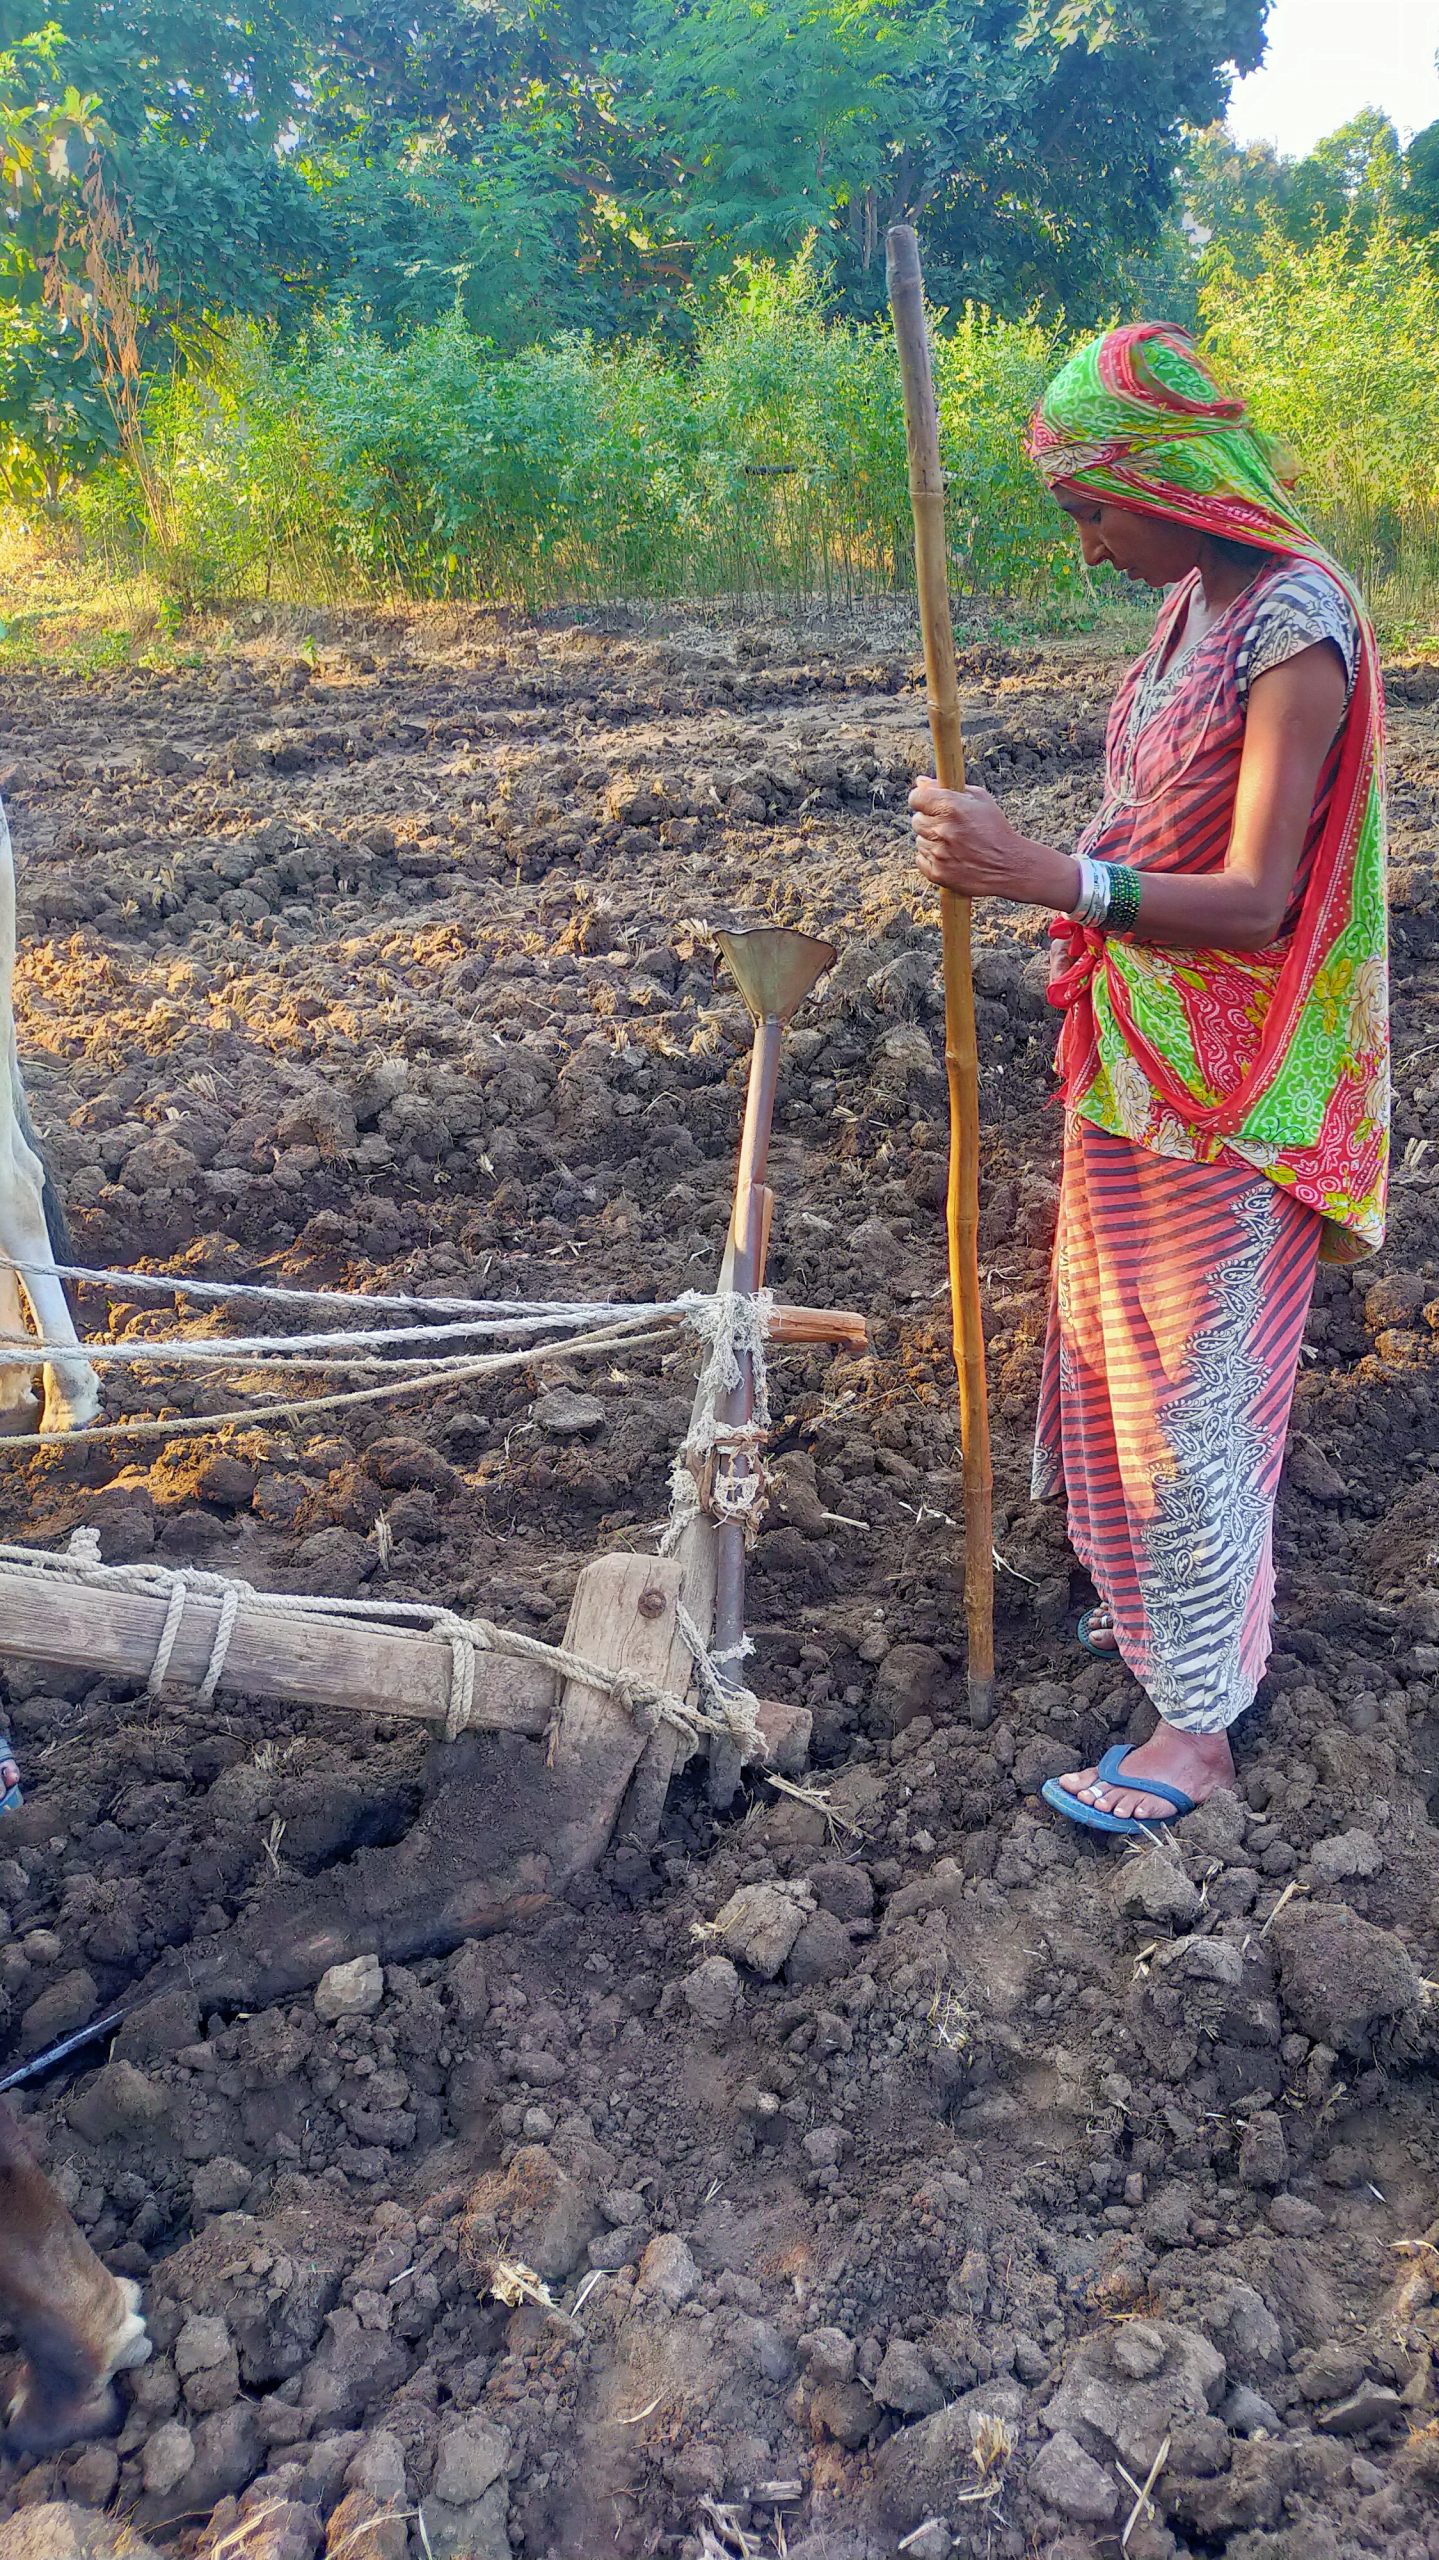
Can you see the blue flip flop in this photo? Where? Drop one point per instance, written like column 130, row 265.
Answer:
column 1101, row 1652
column 10, row 1798
column 1111, row 1770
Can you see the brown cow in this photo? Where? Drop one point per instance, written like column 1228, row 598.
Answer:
column 77, row 2325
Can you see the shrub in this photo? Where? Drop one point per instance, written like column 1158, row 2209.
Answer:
column 1337, row 347
column 766, row 460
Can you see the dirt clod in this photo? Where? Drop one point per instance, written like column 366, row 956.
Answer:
column 1342, row 1978
column 1067, row 2479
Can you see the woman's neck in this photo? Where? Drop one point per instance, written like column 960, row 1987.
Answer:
column 1225, row 573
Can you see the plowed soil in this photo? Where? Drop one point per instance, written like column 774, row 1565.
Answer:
column 375, row 956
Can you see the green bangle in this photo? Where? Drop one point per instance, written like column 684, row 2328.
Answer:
column 1123, row 897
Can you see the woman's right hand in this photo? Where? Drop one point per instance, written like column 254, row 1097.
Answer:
column 963, row 841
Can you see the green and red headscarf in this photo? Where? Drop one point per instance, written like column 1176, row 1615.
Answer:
column 1136, row 420
column 1135, row 417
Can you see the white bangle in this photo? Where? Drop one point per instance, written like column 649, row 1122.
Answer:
column 1092, row 904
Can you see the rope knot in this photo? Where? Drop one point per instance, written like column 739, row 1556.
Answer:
column 733, row 1709
column 465, row 1649
column 733, row 1329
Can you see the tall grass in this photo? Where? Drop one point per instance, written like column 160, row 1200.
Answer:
column 1337, row 346
column 766, row 463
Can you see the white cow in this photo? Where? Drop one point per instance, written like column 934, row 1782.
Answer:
column 32, row 1232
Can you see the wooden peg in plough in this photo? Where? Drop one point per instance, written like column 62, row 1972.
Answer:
column 775, row 968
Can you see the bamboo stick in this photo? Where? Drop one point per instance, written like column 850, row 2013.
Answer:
column 961, row 1052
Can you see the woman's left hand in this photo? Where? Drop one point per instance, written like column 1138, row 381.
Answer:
column 964, row 841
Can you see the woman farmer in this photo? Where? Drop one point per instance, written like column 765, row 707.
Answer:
column 1221, row 966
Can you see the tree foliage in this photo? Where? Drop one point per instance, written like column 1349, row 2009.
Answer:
column 608, row 169
column 1352, row 182
column 766, row 457
column 617, row 152
column 1337, row 345
column 1033, row 145
column 53, row 413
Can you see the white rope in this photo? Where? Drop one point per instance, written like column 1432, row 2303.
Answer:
column 312, row 1346
column 169, row 1284
column 23, row 1351
column 464, row 1656
column 733, row 1329
column 725, row 1713
column 527, row 1316
column 294, row 1410
column 169, row 1633
column 219, row 1647
column 734, row 1703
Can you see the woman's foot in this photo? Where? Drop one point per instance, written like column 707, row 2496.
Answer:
column 10, row 1797
column 1197, row 1763
column 1097, row 1632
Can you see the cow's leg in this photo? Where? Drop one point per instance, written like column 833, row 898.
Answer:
column 72, row 1394
column 78, row 2326
column 31, row 1228
column 19, row 1402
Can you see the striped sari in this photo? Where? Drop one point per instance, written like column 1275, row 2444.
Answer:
column 1227, row 1112
column 1180, row 1294
column 1183, row 1272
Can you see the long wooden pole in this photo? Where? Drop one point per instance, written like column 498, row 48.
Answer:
column 961, row 1052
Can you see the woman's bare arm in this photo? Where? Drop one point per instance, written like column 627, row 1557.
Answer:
column 964, row 841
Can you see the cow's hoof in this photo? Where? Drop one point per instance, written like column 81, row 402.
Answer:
column 20, row 1409
column 42, row 2419
column 71, row 1403
column 39, row 2422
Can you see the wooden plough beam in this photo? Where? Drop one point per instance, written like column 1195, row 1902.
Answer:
column 383, row 1671
column 478, row 1856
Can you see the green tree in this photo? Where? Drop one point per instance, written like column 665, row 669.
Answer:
column 54, row 419
column 1353, row 177
column 772, row 119
column 201, row 103
column 558, row 161
column 1233, row 192
column 1419, row 209
column 1032, row 143
column 1337, row 346
column 492, row 233
column 1075, row 165
column 1239, row 196
column 530, row 167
